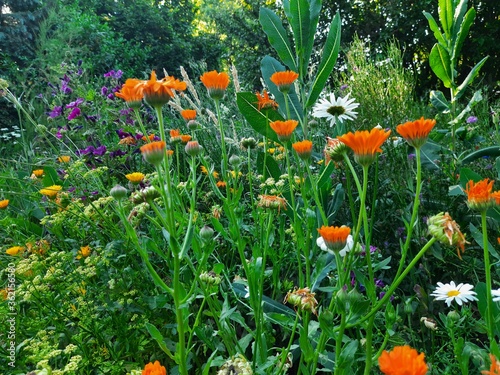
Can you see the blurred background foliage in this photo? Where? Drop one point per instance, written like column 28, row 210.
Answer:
column 139, row 35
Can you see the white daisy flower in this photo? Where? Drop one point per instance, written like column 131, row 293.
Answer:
column 348, row 246
column 334, row 109
column 449, row 292
column 496, row 295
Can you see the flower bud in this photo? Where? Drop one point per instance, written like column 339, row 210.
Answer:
column 193, row 148
column 234, row 160
column 206, row 233
column 118, row 192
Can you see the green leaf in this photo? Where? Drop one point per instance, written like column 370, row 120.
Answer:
column 258, row 120
column 476, row 98
column 439, row 102
column 446, row 16
column 435, row 29
column 157, row 336
column 299, row 19
column 314, row 11
column 492, row 151
column 478, row 237
column 268, row 67
column 470, row 77
column 430, row 154
column 272, row 167
column 305, row 345
column 272, row 26
column 50, row 177
column 466, row 175
column 440, row 63
column 347, row 355
column 462, row 32
column 328, row 59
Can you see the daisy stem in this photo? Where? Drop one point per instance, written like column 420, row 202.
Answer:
column 487, row 270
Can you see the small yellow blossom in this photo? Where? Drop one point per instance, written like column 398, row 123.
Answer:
column 135, row 177
column 14, row 250
column 51, row 191
column 3, row 204
column 83, row 252
column 64, row 159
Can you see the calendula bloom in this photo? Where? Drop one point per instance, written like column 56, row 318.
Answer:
column 135, row 178
column 284, row 129
column 132, row 92
column 416, row 132
column 3, row 204
column 83, row 252
column 38, row 173
column 149, row 138
column 220, row 184
column 284, row 80
column 365, row 144
column 188, row 114
column 175, row 135
column 402, row 360
column 303, row 299
column 159, row 92
column 14, row 250
column 320, row 241
column 335, row 238
column 272, row 201
column 303, row 149
column 494, row 367
column 185, row 138
column 335, row 109
column 154, row 152
column 154, row 369
column 450, row 292
column 64, row 159
column 216, row 83
column 447, row 231
column 264, row 101
column 170, row 152
column 334, row 150
column 127, row 141
column 51, row 191
column 479, row 195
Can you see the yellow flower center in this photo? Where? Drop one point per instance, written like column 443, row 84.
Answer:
column 453, row 293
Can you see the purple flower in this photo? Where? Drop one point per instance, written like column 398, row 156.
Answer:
column 86, row 150
column 76, row 103
column 122, row 134
column 112, row 74
column 104, row 90
column 344, row 86
column 117, row 154
column 379, row 283
column 471, row 120
column 57, row 111
column 65, row 89
column 411, row 157
column 74, row 113
column 111, row 96
column 99, row 151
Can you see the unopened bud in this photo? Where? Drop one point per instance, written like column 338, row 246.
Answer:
column 118, row 192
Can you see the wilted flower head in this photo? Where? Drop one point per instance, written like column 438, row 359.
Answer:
column 447, row 231
column 303, row 299
column 237, row 365
column 272, row 201
column 264, row 101
column 334, row 150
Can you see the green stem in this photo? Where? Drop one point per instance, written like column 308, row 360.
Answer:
column 222, row 142
column 487, row 270
column 284, row 354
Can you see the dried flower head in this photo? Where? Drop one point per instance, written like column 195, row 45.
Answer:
column 272, row 201
column 264, row 102
column 334, row 150
column 303, row 299
column 447, row 231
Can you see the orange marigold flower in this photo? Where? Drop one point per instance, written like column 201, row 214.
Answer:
column 416, row 132
column 216, row 83
column 188, row 114
column 494, row 368
column 335, row 237
column 38, row 173
column 154, row 369
column 14, row 250
column 365, row 144
column 284, row 129
column 185, row 138
column 3, row 204
column 496, row 197
column 51, row 191
column 220, row 184
column 175, row 135
column 64, row 159
column 149, row 138
column 84, row 252
column 479, row 196
column 135, row 177
column 132, row 92
column 402, row 360
column 284, row 80
column 154, row 152
column 265, row 102
column 303, row 149
column 159, row 92
column 170, row 152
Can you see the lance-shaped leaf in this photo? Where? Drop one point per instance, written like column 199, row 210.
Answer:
column 268, row 67
column 435, row 29
column 446, row 16
column 463, row 30
column 458, row 17
column 439, row 60
column 276, row 33
column 258, row 120
column 470, row 77
column 328, row 60
column 476, row 98
column 298, row 15
column 492, row 151
column 314, row 11
column 439, row 102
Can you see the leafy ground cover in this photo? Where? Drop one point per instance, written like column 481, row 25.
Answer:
column 179, row 224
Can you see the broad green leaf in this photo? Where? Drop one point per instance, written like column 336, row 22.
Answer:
column 476, row 98
column 466, row 175
column 268, row 67
column 492, row 151
column 435, row 29
column 430, row 155
column 346, row 360
column 439, row 102
column 271, row 166
column 461, row 34
column 478, row 237
column 458, row 17
column 314, row 11
column 446, row 16
column 258, row 120
column 50, row 177
column 470, row 77
column 299, row 19
column 157, row 336
column 440, row 63
column 328, row 59
column 276, row 33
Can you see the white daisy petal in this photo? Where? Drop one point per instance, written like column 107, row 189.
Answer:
column 460, row 293
column 496, row 295
column 333, row 109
